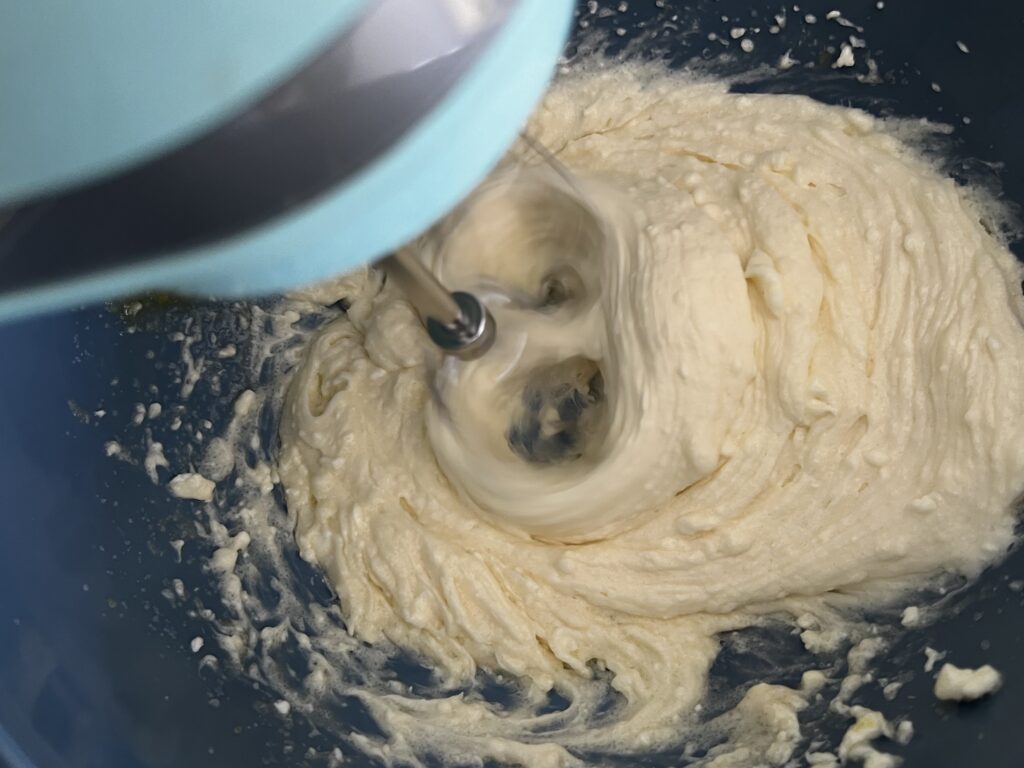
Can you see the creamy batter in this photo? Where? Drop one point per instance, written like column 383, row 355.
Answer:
column 811, row 370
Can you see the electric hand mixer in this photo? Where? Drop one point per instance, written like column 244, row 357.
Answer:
column 244, row 148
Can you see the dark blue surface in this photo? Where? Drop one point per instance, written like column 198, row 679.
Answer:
column 95, row 668
column 93, row 674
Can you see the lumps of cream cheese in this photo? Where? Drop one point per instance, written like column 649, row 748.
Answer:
column 813, row 372
column 956, row 684
column 191, row 485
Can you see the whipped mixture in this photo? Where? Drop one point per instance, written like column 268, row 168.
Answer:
column 796, row 363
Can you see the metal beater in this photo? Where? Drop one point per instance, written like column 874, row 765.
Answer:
column 457, row 322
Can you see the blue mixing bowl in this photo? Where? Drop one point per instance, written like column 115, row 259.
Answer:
column 96, row 663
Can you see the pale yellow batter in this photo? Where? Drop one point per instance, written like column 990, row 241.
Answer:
column 813, row 369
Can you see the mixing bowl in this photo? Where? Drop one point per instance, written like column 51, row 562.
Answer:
column 106, row 658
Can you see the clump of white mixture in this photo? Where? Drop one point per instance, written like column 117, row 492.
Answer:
column 956, row 684
column 813, row 379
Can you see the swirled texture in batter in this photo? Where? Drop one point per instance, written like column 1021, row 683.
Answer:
column 812, row 373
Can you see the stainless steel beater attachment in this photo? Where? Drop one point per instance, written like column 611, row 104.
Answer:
column 458, row 323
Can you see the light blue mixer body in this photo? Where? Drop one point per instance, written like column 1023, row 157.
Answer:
column 93, row 90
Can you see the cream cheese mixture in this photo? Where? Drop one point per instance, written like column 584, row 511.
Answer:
column 800, row 367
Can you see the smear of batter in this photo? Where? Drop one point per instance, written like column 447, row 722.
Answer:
column 805, row 361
